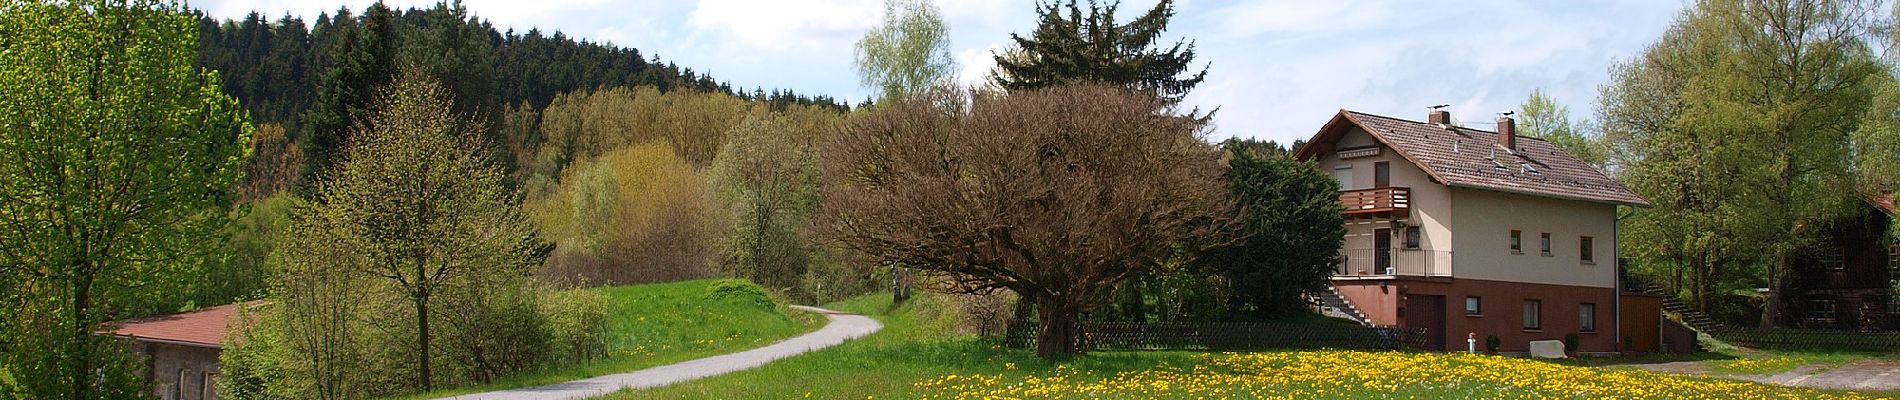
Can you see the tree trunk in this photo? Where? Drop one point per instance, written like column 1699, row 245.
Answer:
column 1056, row 337
column 1771, row 309
column 80, row 350
column 422, row 335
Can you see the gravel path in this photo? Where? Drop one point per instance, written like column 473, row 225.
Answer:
column 842, row 326
column 1858, row 375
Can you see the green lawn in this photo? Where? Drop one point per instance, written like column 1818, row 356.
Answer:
column 912, row 358
column 887, row 364
column 664, row 323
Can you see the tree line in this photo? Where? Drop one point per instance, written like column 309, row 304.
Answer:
column 314, row 78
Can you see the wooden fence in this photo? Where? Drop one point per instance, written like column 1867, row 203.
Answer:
column 1226, row 336
column 1810, row 339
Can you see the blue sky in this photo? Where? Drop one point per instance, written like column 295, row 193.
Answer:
column 1279, row 69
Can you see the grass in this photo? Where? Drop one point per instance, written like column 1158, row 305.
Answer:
column 664, row 323
column 912, row 347
column 913, row 358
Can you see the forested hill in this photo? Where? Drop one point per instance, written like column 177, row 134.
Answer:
column 314, row 78
column 274, row 67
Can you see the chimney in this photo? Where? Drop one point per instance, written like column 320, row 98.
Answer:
column 1439, row 117
column 1507, row 132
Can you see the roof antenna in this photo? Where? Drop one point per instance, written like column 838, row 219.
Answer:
column 1436, row 107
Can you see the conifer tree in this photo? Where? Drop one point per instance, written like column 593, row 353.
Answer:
column 1076, row 45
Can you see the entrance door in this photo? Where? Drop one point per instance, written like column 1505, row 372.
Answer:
column 1381, row 250
column 1427, row 311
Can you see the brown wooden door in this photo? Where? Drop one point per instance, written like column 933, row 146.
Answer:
column 1428, row 312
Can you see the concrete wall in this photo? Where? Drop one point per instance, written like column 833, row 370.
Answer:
column 1485, row 220
column 181, row 372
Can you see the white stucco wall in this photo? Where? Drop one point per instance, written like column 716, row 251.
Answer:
column 1431, row 205
column 1486, row 218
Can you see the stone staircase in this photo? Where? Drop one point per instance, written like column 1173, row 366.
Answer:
column 1330, row 303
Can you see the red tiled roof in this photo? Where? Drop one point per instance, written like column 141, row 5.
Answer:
column 1885, row 202
column 203, row 328
column 1472, row 158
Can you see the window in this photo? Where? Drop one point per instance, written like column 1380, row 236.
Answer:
column 1533, row 315
column 1833, row 260
column 1893, row 259
column 178, row 388
column 1473, row 305
column 1517, row 241
column 1412, row 237
column 1381, row 174
column 210, row 387
column 1584, row 250
column 1544, row 243
column 1344, row 174
column 1821, row 311
column 1587, row 317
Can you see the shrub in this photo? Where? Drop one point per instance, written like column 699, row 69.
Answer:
column 635, row 215
column 1491, row 343
column 250, row 367
column 739, row 291
column 1572, row 342
column 577, row 324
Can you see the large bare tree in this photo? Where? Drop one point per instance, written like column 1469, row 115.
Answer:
column 1057, row 194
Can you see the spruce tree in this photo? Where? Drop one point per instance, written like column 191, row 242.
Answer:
column 1070, row 46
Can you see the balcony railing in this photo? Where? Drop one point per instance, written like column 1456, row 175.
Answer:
column 1376, row 200
column 1394, row 261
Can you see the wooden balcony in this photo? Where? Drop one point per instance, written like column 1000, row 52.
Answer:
column 1376, row 200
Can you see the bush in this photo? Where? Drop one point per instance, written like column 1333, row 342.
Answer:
column 635, row 215
column 1572, row 342
column 251, row 365
column 1491, row 343
column 739, row 291
column 577, row 324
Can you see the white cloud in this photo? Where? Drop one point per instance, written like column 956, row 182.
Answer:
column 787, row 25
column 1250, row 18
column 975, row 64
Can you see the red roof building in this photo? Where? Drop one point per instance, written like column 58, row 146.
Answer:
column 1464, row 233
column 183, row 349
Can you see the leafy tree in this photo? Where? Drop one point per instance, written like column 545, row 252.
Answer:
column 1285, row 208
column 907, row 53
column 1070, row 47
column 415, row 206
column 767, row 179
column 1057, row 194
column 1734, row 125
column 122, row 158
column 1540, row 117
column 275, row 164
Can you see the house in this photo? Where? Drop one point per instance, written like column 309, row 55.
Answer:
column 1464, row 231
column 1844, row 280
column 183, row 349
